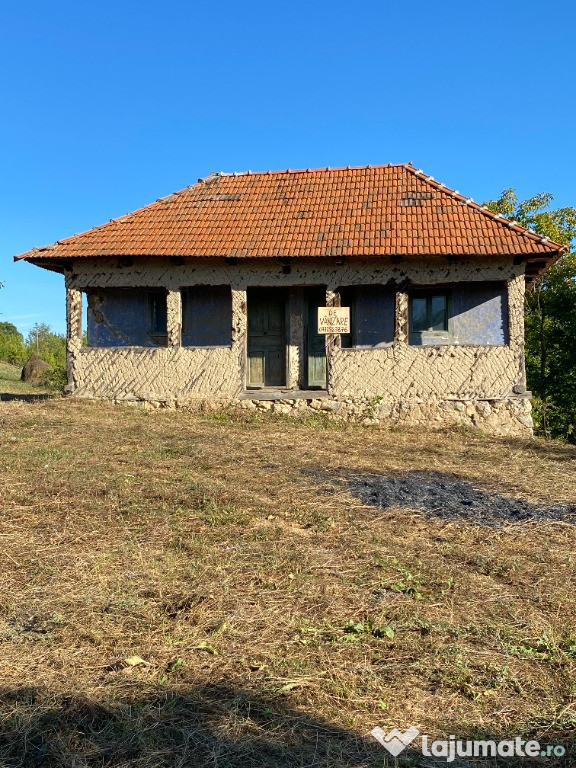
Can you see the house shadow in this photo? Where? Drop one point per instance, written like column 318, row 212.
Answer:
column 10, row 397
column 203, row 726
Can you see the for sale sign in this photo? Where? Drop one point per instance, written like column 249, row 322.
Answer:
column 333, row 319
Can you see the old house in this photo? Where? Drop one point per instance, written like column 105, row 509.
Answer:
column 213, row 294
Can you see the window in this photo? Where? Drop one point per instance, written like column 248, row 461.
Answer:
column 126, row 317
column 372, row 315
column 207, row 316
column 429, row 313
column 158, row 317
column 469, row 313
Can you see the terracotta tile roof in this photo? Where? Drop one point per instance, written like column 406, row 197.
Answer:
column 371, row 211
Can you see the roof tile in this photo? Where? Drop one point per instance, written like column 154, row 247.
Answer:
column 369, row 211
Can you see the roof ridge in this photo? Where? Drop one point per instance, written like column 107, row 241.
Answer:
column 498, row 217
column 323, row 169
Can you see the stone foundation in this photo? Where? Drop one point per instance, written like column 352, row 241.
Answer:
column 505, row 417
column 510, row 416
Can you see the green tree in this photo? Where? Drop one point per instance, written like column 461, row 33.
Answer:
column 550, row 316
column 12, row 348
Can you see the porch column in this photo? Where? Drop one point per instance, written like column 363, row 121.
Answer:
column 296, row 372
column 239, row 336
column 333, row 341
column 174, row 318
column 73, row 333
column 401, row 329
column 516, row 289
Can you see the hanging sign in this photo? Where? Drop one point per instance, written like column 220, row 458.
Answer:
column 333, row 319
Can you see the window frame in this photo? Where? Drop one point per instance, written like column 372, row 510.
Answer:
column 428, row 293
column 160, row 338
column 97, row 295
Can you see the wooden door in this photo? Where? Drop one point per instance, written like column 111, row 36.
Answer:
column 266, row 337
column 315, row 342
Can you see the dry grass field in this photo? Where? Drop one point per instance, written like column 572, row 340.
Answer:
column 184, row 589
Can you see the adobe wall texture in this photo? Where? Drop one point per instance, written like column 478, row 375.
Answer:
column 401, row 382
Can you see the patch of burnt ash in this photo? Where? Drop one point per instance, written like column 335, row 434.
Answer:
column 440, row 495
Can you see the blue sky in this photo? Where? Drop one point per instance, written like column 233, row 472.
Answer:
column 107, row 106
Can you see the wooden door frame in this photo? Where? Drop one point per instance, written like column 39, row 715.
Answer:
column 284, row 291
column 321, row 288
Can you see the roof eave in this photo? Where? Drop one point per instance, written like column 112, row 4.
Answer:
column 60, row 265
